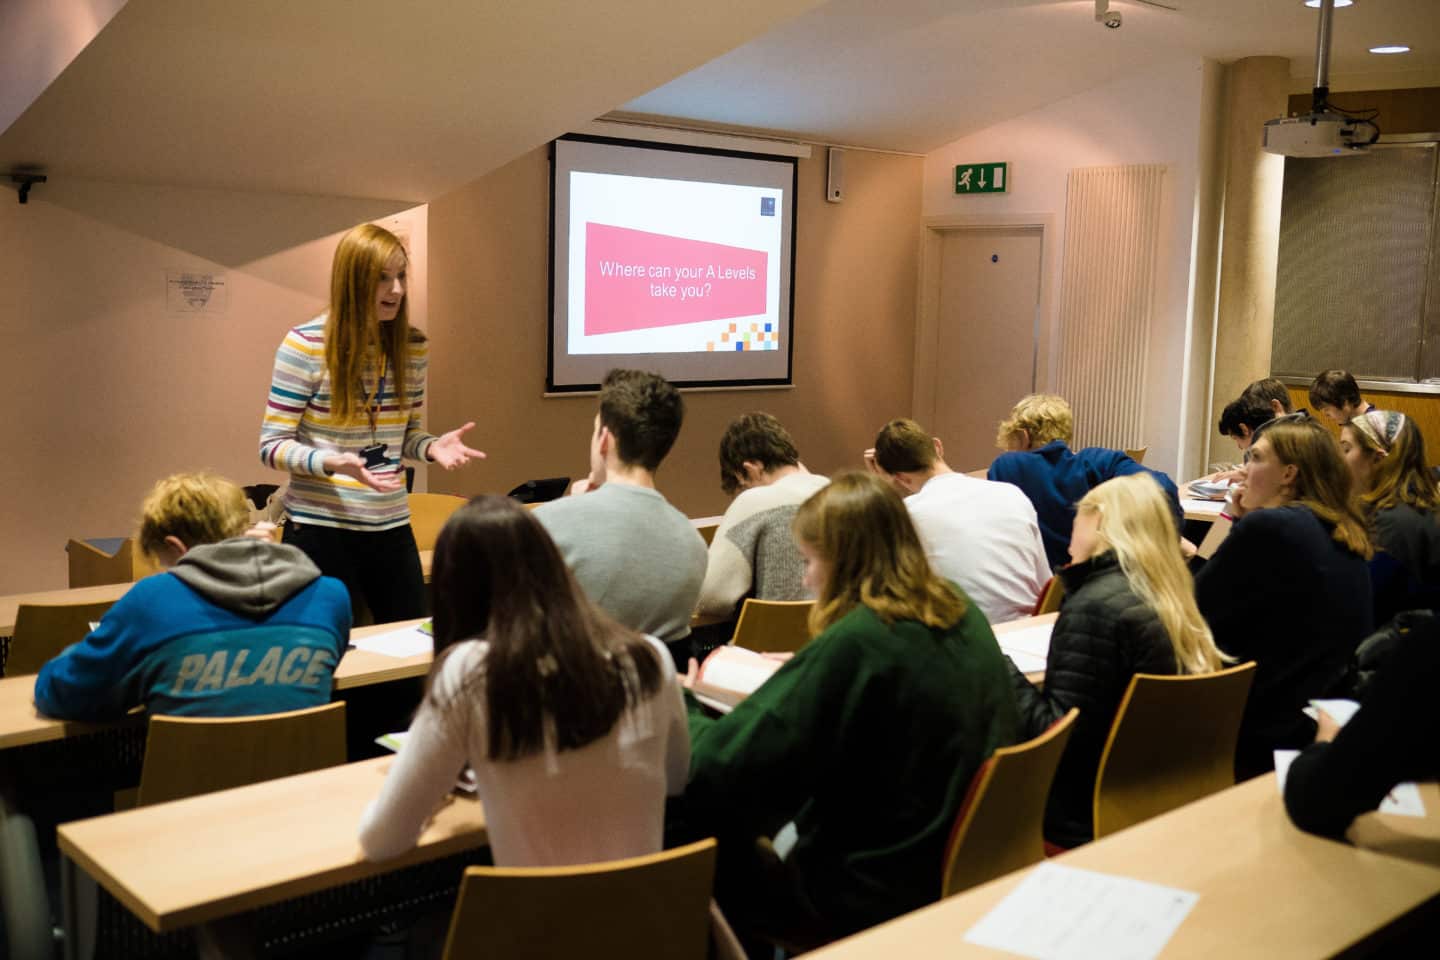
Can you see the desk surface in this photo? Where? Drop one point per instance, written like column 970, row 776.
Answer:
column 1266, row 888
column 1413, row 838
column 21, row 725
column 212, row 856
column 10, row 604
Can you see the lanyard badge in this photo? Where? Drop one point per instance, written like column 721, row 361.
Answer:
column 374, row 454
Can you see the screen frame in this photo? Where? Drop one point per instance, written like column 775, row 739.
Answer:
column 749, row 383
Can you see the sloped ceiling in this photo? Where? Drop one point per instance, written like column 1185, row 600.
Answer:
column 916, row 74
column 364, row 98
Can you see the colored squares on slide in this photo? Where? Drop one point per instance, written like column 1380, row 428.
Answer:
column 710, row 346
column 768, row 328
column 739, row 345
column 732, row 328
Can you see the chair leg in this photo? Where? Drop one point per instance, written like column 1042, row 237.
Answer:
column 22, row 886
column 81, row 910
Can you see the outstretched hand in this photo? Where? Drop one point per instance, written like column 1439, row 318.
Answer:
column 351, row 465
column 450, row 451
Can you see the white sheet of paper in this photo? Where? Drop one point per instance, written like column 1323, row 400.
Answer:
column 1403, row 801
column 405, row 642
column 1034, row 641
column 1061, row 913
column 1026, row 662
column 1340, row 710
column 1191, row 505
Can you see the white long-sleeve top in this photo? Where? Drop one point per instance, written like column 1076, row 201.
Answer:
column 603, row 801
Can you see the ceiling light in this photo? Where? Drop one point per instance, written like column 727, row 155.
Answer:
column 1391, row 48
column 1338, row 3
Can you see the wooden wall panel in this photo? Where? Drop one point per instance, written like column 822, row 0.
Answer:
column 1423, row 408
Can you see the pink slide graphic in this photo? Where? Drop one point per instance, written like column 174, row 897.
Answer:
column 636, row 280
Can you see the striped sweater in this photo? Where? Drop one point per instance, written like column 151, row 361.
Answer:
column 297, row 434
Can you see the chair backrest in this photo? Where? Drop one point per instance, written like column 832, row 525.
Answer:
column 91, row 566
column 1173, row 741
column 773, row 626
column 1050, row 596
column 651, row 906
column 707, row 532
column 1138, row 455
column 43, row 630
column 185, row 756
column 1000, row 826
column 428, row 513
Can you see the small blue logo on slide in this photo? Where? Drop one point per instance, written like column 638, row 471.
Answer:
column 767, row 206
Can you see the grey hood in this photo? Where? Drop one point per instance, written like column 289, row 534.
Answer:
column 245, row 575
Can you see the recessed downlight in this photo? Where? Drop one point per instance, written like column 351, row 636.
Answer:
column 1338, row 3
column 1391, row 48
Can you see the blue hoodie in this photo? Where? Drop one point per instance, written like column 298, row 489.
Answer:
column 240, row 627
column 1055, row 479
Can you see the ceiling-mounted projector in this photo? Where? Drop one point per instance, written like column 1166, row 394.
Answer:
column 1325, row 131
column 1318, row 135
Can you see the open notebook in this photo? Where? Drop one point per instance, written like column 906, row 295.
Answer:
column 730, row 674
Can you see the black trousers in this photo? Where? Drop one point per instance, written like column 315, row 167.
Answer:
column 382, row 567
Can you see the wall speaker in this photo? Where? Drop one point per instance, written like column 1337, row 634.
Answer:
column 835, row 175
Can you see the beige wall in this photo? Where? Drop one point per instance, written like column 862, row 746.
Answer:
column 855, row 287
column 107, row 389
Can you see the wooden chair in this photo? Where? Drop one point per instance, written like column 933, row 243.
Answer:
column 43, row 630
column 428, row 513
column 651, row 906
column 1173, row 741
column 1138, row 455
column 1000, row 825
column 90, row 566
column 1050, row 596
column 773, row 626
column 185, row 756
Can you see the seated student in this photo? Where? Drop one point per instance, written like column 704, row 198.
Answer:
column 573, row 724
column 978, row 533
column 237, row 625
column 1386, row 456
column 1269, row 392
column 1335, row 395
column 1390, row 740
column 1241, row 418
column 636, row 557
column 754, row 553
column 1040, row 462
column 867, row 738
column 1129, row 608
column 1289, row 587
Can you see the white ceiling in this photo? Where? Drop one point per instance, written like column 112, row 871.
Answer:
column 408, row 100
column 913, row 75
column 391, row 99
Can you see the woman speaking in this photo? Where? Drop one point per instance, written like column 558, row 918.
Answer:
column 344, row 408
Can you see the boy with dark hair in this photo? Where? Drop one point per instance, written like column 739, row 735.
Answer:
column 753, row 552
column 635, row 555
column 1336, row 395
column 1241, row 418
column 981, row 534
column 1271, row 393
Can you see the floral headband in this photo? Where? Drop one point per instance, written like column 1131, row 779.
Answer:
column 1380, row 427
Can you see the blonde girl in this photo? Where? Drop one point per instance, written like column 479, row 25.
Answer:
column 1129, row 608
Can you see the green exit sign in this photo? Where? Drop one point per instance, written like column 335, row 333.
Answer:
column 981, row 178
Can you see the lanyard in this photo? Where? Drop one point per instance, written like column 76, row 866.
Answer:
column 372, row 403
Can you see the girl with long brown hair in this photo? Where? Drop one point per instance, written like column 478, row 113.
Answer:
column 867, row 738
column 572, row 724
column 344, row 409
column 1289, row 587
column 1396, row 491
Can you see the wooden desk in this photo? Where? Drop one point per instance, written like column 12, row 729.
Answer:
column 20, row 724
column 213, row 856
column 1266, row 888
column 1036, row 677
column 10, row 605
column 1203, row 510
column 1412, row 838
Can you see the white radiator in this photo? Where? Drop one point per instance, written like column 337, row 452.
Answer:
column 1107, row 296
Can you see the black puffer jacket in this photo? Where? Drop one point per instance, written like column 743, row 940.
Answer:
column 1105, row 634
